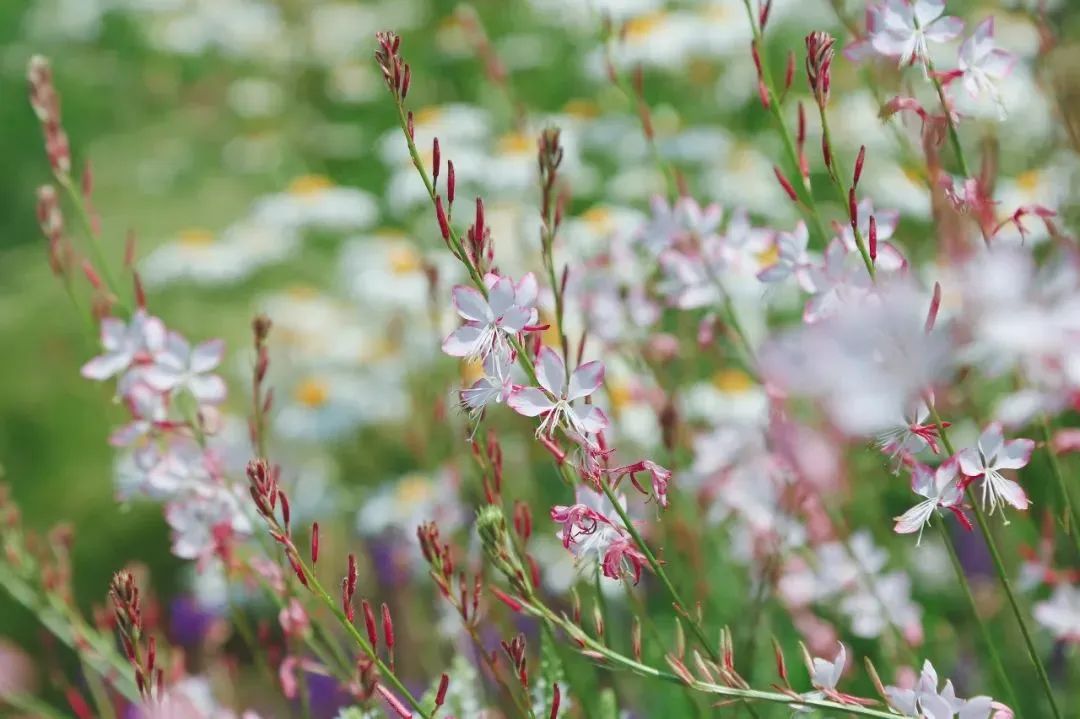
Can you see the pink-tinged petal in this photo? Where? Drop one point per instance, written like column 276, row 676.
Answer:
column 922, row 481
column 1012, row 493
column 970, row 463
column 123, row 436
column 501, row 296
column 551, row 372
column 207, row 355
column 889, row 258
column 529, row 401
column 990, row 441
column 208, row 389
column 592, row 419
column 1015, row 454
column 913, row 520
column 516, row 319
column 984, row 31
column 161, row 378
column 998, row 64
column 482, row 393
column 585, row 380
column 527, row 290
column 859, row 50
column 944, row 29
column 113, row 332
column 104, row 366
column 463, row 341
column 926, row 11
column 470, row 304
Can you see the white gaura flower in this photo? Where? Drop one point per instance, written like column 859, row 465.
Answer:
column 991, row 455
column 982, row 65
column 924, row 700
column 1060, row 614
column 941, row 489
column 825, row 675
column 901, row 28
column 179, row 367
column 555, row 398
column 489, row 321
column 149, row 410
column 792, row 259
column 494, row 387
column 125, row 344
column 204, row 521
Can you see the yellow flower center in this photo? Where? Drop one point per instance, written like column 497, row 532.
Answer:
column 732, row 381
column 413, row 489
column 599, row 219
column 309, row 185
column 196, row 237
column 516, row 143
column 427, row 115
column 769, row 257
column 620, row 396
column 640, row 27
column 913, row 174
column 404, row 260
column 471, row 372
column 312, row 392
column 1028, row 181
column 741, row 159
column 302, row 292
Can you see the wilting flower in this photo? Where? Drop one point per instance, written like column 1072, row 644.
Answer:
column 555, row 397
column 902, row 28
column 506, row 311
column 125, row 344
column 910, row 435
column 991, row 455
column 942, row 490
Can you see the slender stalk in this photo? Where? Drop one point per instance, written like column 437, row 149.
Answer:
column 1002, row 572
column 92, row 242
column 842, row 195
column 807, row 201
column 1072, row 518
column 658, row 570
column 984, row 631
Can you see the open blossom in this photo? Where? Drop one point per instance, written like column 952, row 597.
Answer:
column 924, row 700
column 911, row 434
column 179, row 367
column 982, row 65
column 125, row 344
column 593, row 537
column 991, row 455
column 149, row 410
column 1060, row 614
column 792, row 259
column 941, row 488
column 494, row 387
column 901, row 28
column 506, row 311
column 557, row 399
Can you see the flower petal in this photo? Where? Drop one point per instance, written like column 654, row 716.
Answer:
column 551, row 372
column 1015, row 454
column 208, row 389
column 470, row 304
column 501, row 296
column 970, row 462
column 105, row 366
column 990, row 441
column 207, row 355
column 592, row 419
column 463, row 341
column 944, row 29
column 529, row 401
column 586, row 379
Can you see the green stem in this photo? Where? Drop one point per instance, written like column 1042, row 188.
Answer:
column 842, row 195
column 1072, row 518
column 1002, row 573
column 92, row 242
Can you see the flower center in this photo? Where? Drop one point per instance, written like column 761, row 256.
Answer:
column 413, row 489
column 404, row 260
column 312, row 392
column 732, row 381
column 307, row 186
column 196, row 237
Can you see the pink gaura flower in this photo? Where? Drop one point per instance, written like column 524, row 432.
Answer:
column 902, row 28
column 942, row 489
column 622, row 558
column 507, row 311
column 149, row 411
column 494, row 387
column 577, row 520
column 991, row 455
column 660, row 478
column 555, row 399
column 180, row 367
column 125, row 345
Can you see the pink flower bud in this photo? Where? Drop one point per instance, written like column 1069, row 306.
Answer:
column 785, row 184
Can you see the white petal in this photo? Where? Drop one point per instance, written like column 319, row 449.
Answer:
column 515, row 319
column 529, row 401
column 592, row 419
column 207, row 355
column 105, row 366
column 526, row 291
column 501, row 296
column 990, row 441
column 912, row 520
column 551, row 372
column 586, row 379
column 208, row 389
column 1011, row 492
column 926, row 11
column 112, row 333
column 161, row 378
column 470, row 304
column 1014, row 454
column 970, row 463
column 463, row 341
column 944, row 29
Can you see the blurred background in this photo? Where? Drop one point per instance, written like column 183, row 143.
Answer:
column 250, row 146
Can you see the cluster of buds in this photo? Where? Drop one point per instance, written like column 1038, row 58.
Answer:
column 478, row 245
column 549, row 157
column 395, row 71
column 516, row 651
column 371, row 626
column 489, row 457
column 262, row 397
column 128, row 612
column 51, row 219
column 491, row 526
column 819, row 57
column 46, row 103
column 440, row 558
